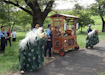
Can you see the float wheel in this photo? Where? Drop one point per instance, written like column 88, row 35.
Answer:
column 62, row 52
column 77, row 47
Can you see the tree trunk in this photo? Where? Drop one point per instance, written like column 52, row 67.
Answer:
column 12, row 26
column 103, row 26
column 37, row 18
column 35, row 21
column 103, row 22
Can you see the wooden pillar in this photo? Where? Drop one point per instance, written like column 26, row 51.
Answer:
column 75, row 29
column 67, row 24
column 63, row 33
column 75, row 25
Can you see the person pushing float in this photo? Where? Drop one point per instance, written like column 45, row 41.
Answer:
column 92, row 37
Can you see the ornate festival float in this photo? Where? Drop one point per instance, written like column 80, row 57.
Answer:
column 67, row 37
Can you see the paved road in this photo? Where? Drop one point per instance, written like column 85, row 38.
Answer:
column 81, row 62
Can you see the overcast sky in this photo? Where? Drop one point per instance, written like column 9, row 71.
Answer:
column 69, row 5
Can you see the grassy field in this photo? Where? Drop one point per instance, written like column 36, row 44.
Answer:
column 82, row 37
column 9, row 62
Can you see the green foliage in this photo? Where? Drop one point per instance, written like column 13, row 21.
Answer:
column 48, row 20
column 3, row 13
column 97, row 20
column 84, row 17
column 24, row 19
column 93, row 9
column 18, row 28
column 98, row 8
column 15, row 17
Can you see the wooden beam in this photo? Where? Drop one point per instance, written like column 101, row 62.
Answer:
column 56, row 17
column 71, row 46
column 70, row 37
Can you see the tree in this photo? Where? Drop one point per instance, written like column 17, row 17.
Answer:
column 5, row 17
column 24, row 19
column 84, row 20
column 13, row 19
column 99, row 8
column 9, row 17
column 84, row 17
column 3, row 14
column 36, row 10
column 93, row 9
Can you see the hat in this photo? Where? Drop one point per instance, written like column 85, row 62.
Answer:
column 89, row 25
column 49, row 25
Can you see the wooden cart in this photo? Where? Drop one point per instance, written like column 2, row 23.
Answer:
column 62, row 43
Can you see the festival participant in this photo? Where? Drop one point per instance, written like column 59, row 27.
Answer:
column 31, row 51
column 73, row 30
column 8, row 38
column 14, row 35
column 48, row 41
column 3, row 35
column 36, row 27
column 92, row 38
column 89, row 29
column 58, row 32
column 55, row 30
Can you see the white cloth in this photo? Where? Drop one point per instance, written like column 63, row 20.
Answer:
column 14, row 34
column 90, row 34
column 34, row 29
column 72, row 33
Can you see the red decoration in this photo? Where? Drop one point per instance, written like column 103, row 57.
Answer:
column 96, row 31
column 68, row 32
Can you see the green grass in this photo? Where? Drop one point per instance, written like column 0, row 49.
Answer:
column 102, row 73
column 9, row 62
column 81, row 38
